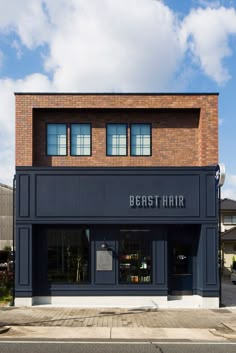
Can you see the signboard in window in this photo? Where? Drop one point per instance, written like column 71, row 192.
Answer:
column 104, row 260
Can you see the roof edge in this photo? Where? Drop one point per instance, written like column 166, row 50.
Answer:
column 116, row 94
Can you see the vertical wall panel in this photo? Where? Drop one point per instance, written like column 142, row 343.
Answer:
column 211, row 258
column 210, row 196
column 24, row 195
column 24, row 263
column 161, row 261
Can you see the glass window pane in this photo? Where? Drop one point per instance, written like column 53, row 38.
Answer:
column 135, row 129
column 51, row 129
column 75, row 129
column 146, row 151
column 123, row 140
column 145, row 129
column 68, row 255
column 81, row 138
column 52, row 150
column 77, row 140
column 52, row 139
column 121, row 129
column 87, row 140
column 227, row 219
column 122, row 151
column 61, row 151
column 85, row 129
column 61, row 140
column 111, row 129
column 234, row 219
column 116, row 138
column 61, row 129
column 146, row 140
column 140, row 140
column 56, row 139
column 86, row 151
column 135, row 257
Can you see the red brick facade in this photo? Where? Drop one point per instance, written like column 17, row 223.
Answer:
column 184, row 127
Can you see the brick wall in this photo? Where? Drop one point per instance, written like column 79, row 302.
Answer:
column 184, row 127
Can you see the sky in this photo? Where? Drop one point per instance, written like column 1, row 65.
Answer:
column 119, row 46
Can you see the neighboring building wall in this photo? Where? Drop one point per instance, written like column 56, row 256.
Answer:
column 6, row 216
column 229, row 252
column 196, row 114
column 225, row 227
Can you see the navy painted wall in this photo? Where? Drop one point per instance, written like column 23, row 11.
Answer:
column 101, row 196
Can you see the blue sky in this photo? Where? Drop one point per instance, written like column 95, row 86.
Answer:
column 119, row 46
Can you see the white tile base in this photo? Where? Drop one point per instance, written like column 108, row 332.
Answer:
column 188, row 302
column 24, row 301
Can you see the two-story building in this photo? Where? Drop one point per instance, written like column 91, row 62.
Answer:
column 116, row 199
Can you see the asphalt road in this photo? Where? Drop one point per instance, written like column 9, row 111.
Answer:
column 154, row 347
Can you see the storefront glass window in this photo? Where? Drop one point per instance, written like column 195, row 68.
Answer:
column 68, row 255
column 135, row 260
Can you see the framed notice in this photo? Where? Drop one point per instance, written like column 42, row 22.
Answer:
column 104, row 260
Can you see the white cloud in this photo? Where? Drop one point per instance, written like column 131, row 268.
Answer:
column 229, row 190
column 7, row 115
column 209, row 3
column 228, row 193
column 104, row 45
column 231, row 180
column 28, row 19
column 206, row 33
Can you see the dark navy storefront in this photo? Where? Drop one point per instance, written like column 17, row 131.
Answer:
column 100, row 234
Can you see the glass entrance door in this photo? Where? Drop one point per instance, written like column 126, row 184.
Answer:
column 180, row 254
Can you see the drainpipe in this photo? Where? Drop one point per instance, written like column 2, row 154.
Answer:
column 220, row 248
column 13, row 241
column 220, row 179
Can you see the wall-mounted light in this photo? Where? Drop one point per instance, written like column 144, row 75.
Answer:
column 104, row 245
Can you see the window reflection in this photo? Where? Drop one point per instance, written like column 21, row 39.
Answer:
column 135, row 265
column 68, row 255
column 181, row 260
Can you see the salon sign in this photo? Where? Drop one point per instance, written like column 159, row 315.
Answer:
column 157, row 201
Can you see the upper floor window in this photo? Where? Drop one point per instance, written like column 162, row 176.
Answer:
column 116, row 140
column 140, row 139
column 80, row 139
column 56, row 140
column 230, row 219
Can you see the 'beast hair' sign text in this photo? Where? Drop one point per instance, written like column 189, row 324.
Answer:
column 157, row 201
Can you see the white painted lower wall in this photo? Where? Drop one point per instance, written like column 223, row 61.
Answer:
column 155, row 302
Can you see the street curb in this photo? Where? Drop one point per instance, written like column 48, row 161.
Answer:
column 117, row 333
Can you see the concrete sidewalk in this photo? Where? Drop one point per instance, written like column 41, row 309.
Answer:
column 117, row 324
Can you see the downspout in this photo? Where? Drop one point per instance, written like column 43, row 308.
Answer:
column 13, row 241
column 219, row 245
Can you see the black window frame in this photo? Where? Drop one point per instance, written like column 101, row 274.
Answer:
column 46, row 145
column 67, row 228
column 117, row 155
column 90, row 129
column 139, row 271
column 141, row 155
